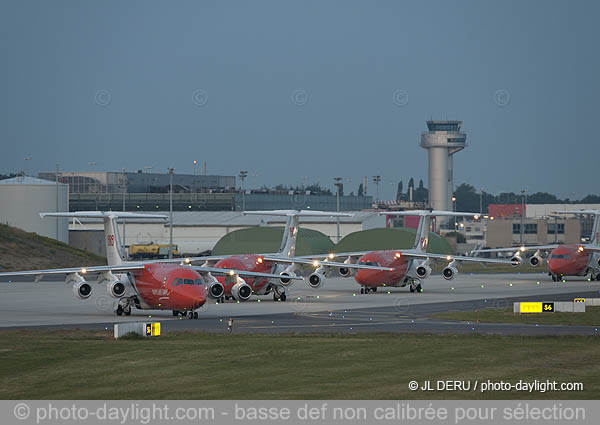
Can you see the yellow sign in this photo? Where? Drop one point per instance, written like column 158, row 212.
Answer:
column 579, row 300
column 153, row 329
column 531, row 307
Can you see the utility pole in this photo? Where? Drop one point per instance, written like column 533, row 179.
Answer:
column 243, row 175
column 195, row 162
column 171, row 170
column 338, row 185
column 376, row 180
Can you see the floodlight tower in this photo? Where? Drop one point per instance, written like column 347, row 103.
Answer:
column 442, row 141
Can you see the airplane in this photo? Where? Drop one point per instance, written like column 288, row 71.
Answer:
column 155, row 284
column 405, row 267
column 284, row 263
column 564, row 259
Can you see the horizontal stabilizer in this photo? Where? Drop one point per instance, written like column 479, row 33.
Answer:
column 104, row 214
column 298, row 213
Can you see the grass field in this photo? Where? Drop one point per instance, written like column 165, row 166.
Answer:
column 591, row 317
column 91, row 365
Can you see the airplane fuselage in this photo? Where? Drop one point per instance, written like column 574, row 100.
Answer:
column 569, row 260
column 375, row 278
column 169, row 287
column 245, row 262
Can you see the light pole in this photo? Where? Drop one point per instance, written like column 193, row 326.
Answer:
column 124, row 189
column 376, row 180
column 57, row 202
column 481, row 202
column 195, row 162
column 454, row 210
column 338, row 185
column 243, row 175
column 171, row 170
column 522, row 215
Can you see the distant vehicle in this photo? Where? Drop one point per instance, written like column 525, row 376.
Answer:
column 565, row 259
column 150, row 284
column 151, row 251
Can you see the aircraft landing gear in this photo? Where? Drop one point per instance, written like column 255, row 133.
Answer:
column 192, row 314
column 415, row 286
column 279, row 294
column 124, row 306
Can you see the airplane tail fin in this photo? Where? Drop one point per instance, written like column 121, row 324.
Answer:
column 114, row 255
column 288, row 242
column 594, row 236
column 422, row 235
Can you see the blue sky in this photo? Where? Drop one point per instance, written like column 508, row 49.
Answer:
column 304, row 91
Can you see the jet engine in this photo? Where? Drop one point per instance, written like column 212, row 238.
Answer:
column 516, row 260
column 241, row 291
column 215, row 288
column 81, row 288
column 535, row 260
column 116, row 288
column 423, row 271
column 316, row 278
column 450, row 271
column 346, row 271
column 290, row 271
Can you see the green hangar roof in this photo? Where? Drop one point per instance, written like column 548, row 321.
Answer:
column 386, row 238
column 256, row 240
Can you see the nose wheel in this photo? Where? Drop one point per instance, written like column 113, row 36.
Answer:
column 415, row 286
column 124, row 307
column 192, row 315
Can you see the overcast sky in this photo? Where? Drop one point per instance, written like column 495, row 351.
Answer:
column 304, row 91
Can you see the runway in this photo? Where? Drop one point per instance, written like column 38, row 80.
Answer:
column 336, row 307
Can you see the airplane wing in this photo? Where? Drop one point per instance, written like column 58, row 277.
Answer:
column 519, row 248
column 459, row 258
column 232, row 272
column 81, row 270
column 326, row 263
column 416, row 254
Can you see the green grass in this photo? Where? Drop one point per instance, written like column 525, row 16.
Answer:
column 91, row 365
column 591, row 317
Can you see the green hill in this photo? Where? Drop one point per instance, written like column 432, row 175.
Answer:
column 256, row 240
column 20, row 250
column 386, row 238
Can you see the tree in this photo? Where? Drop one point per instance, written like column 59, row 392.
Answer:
column 467, row 198
column 411, row 183
column 360, row 190
column 591, row 199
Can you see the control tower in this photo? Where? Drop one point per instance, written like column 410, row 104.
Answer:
column 442, row 141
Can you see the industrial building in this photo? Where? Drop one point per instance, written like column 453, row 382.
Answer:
column 23, row 198
column 199, row 231
column 138, row 182
column 442, row 141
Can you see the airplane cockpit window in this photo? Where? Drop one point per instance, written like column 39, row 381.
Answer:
column 198, row 282
column 563, row 256
column 369, row 263
column 188, row 281
column 177, row 282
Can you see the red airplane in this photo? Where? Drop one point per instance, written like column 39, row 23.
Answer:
column 156, row 285
column 284, row 263
column 405, row 267
column 567, row 259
